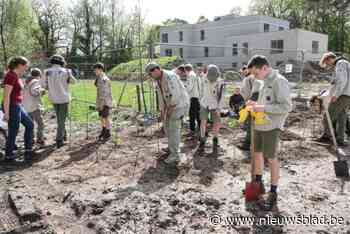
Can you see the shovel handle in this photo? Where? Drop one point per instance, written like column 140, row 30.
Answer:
column 252, row 146
column 331, row 129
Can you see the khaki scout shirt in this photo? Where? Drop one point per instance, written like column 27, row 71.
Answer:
column 172, row 93
column 342, row 78
column 275, row 96
column 104, row 92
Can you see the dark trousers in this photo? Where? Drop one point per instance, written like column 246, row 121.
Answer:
column 18, row 115
column 194, row 114
column 61, row 116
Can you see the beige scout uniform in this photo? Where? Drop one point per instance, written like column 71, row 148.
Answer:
column 173, row 93
column 275, row 96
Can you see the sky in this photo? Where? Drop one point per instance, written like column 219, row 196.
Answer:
column 157, row 11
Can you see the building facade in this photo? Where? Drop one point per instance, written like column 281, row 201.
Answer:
column 230, row 41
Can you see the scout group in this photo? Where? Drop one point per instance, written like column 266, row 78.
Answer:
column 181, row 92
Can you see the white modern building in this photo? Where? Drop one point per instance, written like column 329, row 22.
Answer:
column 229, row 41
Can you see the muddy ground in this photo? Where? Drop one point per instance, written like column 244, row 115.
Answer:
column 120, row 187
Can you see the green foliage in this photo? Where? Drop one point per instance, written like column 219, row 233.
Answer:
column 134, row 65
column 18, row 27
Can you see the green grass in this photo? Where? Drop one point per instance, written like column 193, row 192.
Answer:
column 84, row 95
column 134, row 65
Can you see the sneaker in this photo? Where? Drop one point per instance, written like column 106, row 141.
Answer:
column 107, row 135
column 9, row 160
column 103, row 132
column 268, row 202
column 59, row 144
column 201, row 145
column 28, row 157
column 324, row 139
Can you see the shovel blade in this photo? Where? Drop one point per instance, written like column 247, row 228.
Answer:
column 252, row 191
column 341, row 168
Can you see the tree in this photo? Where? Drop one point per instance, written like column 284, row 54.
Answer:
column 325, row 16
column 17, row 25
column 202, row 19
column 52, row 23
column 236, row 11
column 175, row 21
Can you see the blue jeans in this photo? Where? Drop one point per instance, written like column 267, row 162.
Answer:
column 19, row 115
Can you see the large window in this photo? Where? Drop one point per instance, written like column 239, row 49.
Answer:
column 245, row 48
column 206, row 52
column 266, row 28
column 181, row 36
column 181, row 52
column 168, row 52
column 164, row 37
column 234, row 65
column 276, row 46
column 234, row 49
column 315, row 47
column 202, row 35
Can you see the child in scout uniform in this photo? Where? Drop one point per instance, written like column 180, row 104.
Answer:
column 57, row 80
column 32, row 102
column 340, row 97
column 212, row 101
column 275, row 102
column 174, row 104
column 193, row 90
column 250, row 91
column 104, row 99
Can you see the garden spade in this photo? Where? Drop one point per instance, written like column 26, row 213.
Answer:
column 341, row 167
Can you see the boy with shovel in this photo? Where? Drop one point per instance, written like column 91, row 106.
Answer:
column 174, row 104
column 275, row 102
column 340, row 97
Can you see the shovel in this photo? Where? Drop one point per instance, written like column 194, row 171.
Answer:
column 252, row 189
column 341, row 167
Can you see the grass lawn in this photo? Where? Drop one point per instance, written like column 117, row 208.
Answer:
column 84, row 95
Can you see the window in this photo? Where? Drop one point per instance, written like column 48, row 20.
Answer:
column 181, row 52
column 244, row 64
column 181, row 36
column 234, row 49
column 206, row 52
column 276, row 46
column 266, row 28
column 315, row 47
column 234, row 65
column 245, row 48
column 280, row 28
column 164, row 37
column 202, row 35
column 168, row 52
